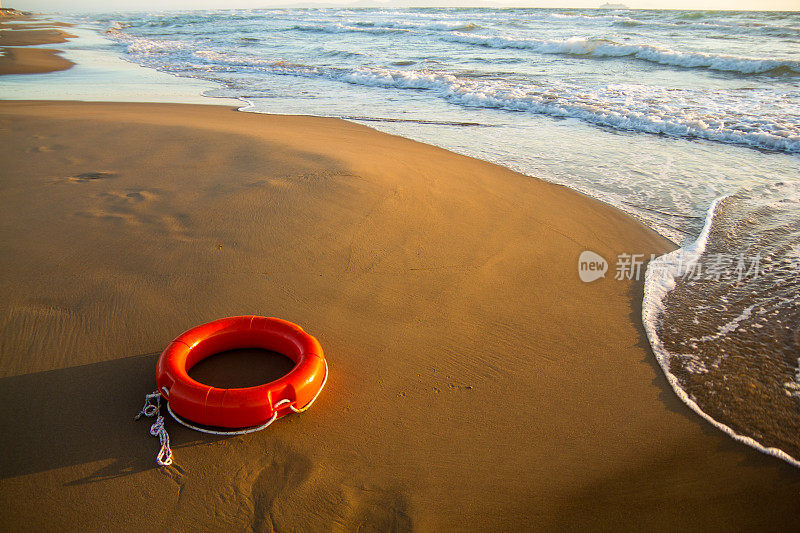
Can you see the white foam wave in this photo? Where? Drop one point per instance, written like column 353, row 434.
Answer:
column 608, row 107
column 714, row 25
column 645, row 52
column 384, row 28
column 144, row 46
column 730, row 327
column 441, row 25
column 660, row 279
column 343, row 28
column 117, row 25
column 797, row 376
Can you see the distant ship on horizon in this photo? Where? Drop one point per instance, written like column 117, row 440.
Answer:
column 613, row 6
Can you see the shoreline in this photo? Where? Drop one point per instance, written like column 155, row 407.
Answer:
column 443, row 288
column 81, row 70
column 16, row 59
column 655, row 290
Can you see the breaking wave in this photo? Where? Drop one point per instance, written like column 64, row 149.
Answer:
column 603, row 48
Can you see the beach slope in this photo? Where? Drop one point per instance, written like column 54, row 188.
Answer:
column 475, row 382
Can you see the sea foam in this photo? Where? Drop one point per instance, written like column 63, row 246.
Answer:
column 623, row 107
column 603, row 48
column 662, row 276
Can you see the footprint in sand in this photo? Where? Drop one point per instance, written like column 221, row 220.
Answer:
column 45, row 148
column 286, row 471
column 290, row 483
column 377, row 510
column 90, row 176
column 140, row 208
column 366, row 508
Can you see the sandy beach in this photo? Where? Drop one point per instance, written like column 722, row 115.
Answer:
column 476, row 383
column 27, row 31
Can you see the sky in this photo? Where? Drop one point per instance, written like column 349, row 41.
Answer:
column 50, row 6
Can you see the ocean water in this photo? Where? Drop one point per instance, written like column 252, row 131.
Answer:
column 687, row 120
column 723, row 318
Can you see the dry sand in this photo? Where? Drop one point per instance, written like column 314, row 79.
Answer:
column 475, row 382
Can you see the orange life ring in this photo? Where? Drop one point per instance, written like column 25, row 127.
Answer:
column 244, row 407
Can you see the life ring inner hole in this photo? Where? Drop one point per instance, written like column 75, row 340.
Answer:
column 240, row 368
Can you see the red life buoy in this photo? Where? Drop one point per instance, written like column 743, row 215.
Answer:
column 245, row 407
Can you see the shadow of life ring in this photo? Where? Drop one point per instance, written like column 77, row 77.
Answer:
column 190, row 401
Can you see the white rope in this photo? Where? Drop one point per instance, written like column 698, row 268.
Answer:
column 234, row 432
column 150, row 409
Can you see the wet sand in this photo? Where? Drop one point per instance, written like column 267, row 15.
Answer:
column 26, row 37
column 31, row 31
column 32, row 61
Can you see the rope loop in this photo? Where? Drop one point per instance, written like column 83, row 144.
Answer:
column 224, row 433
column 152, row 408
